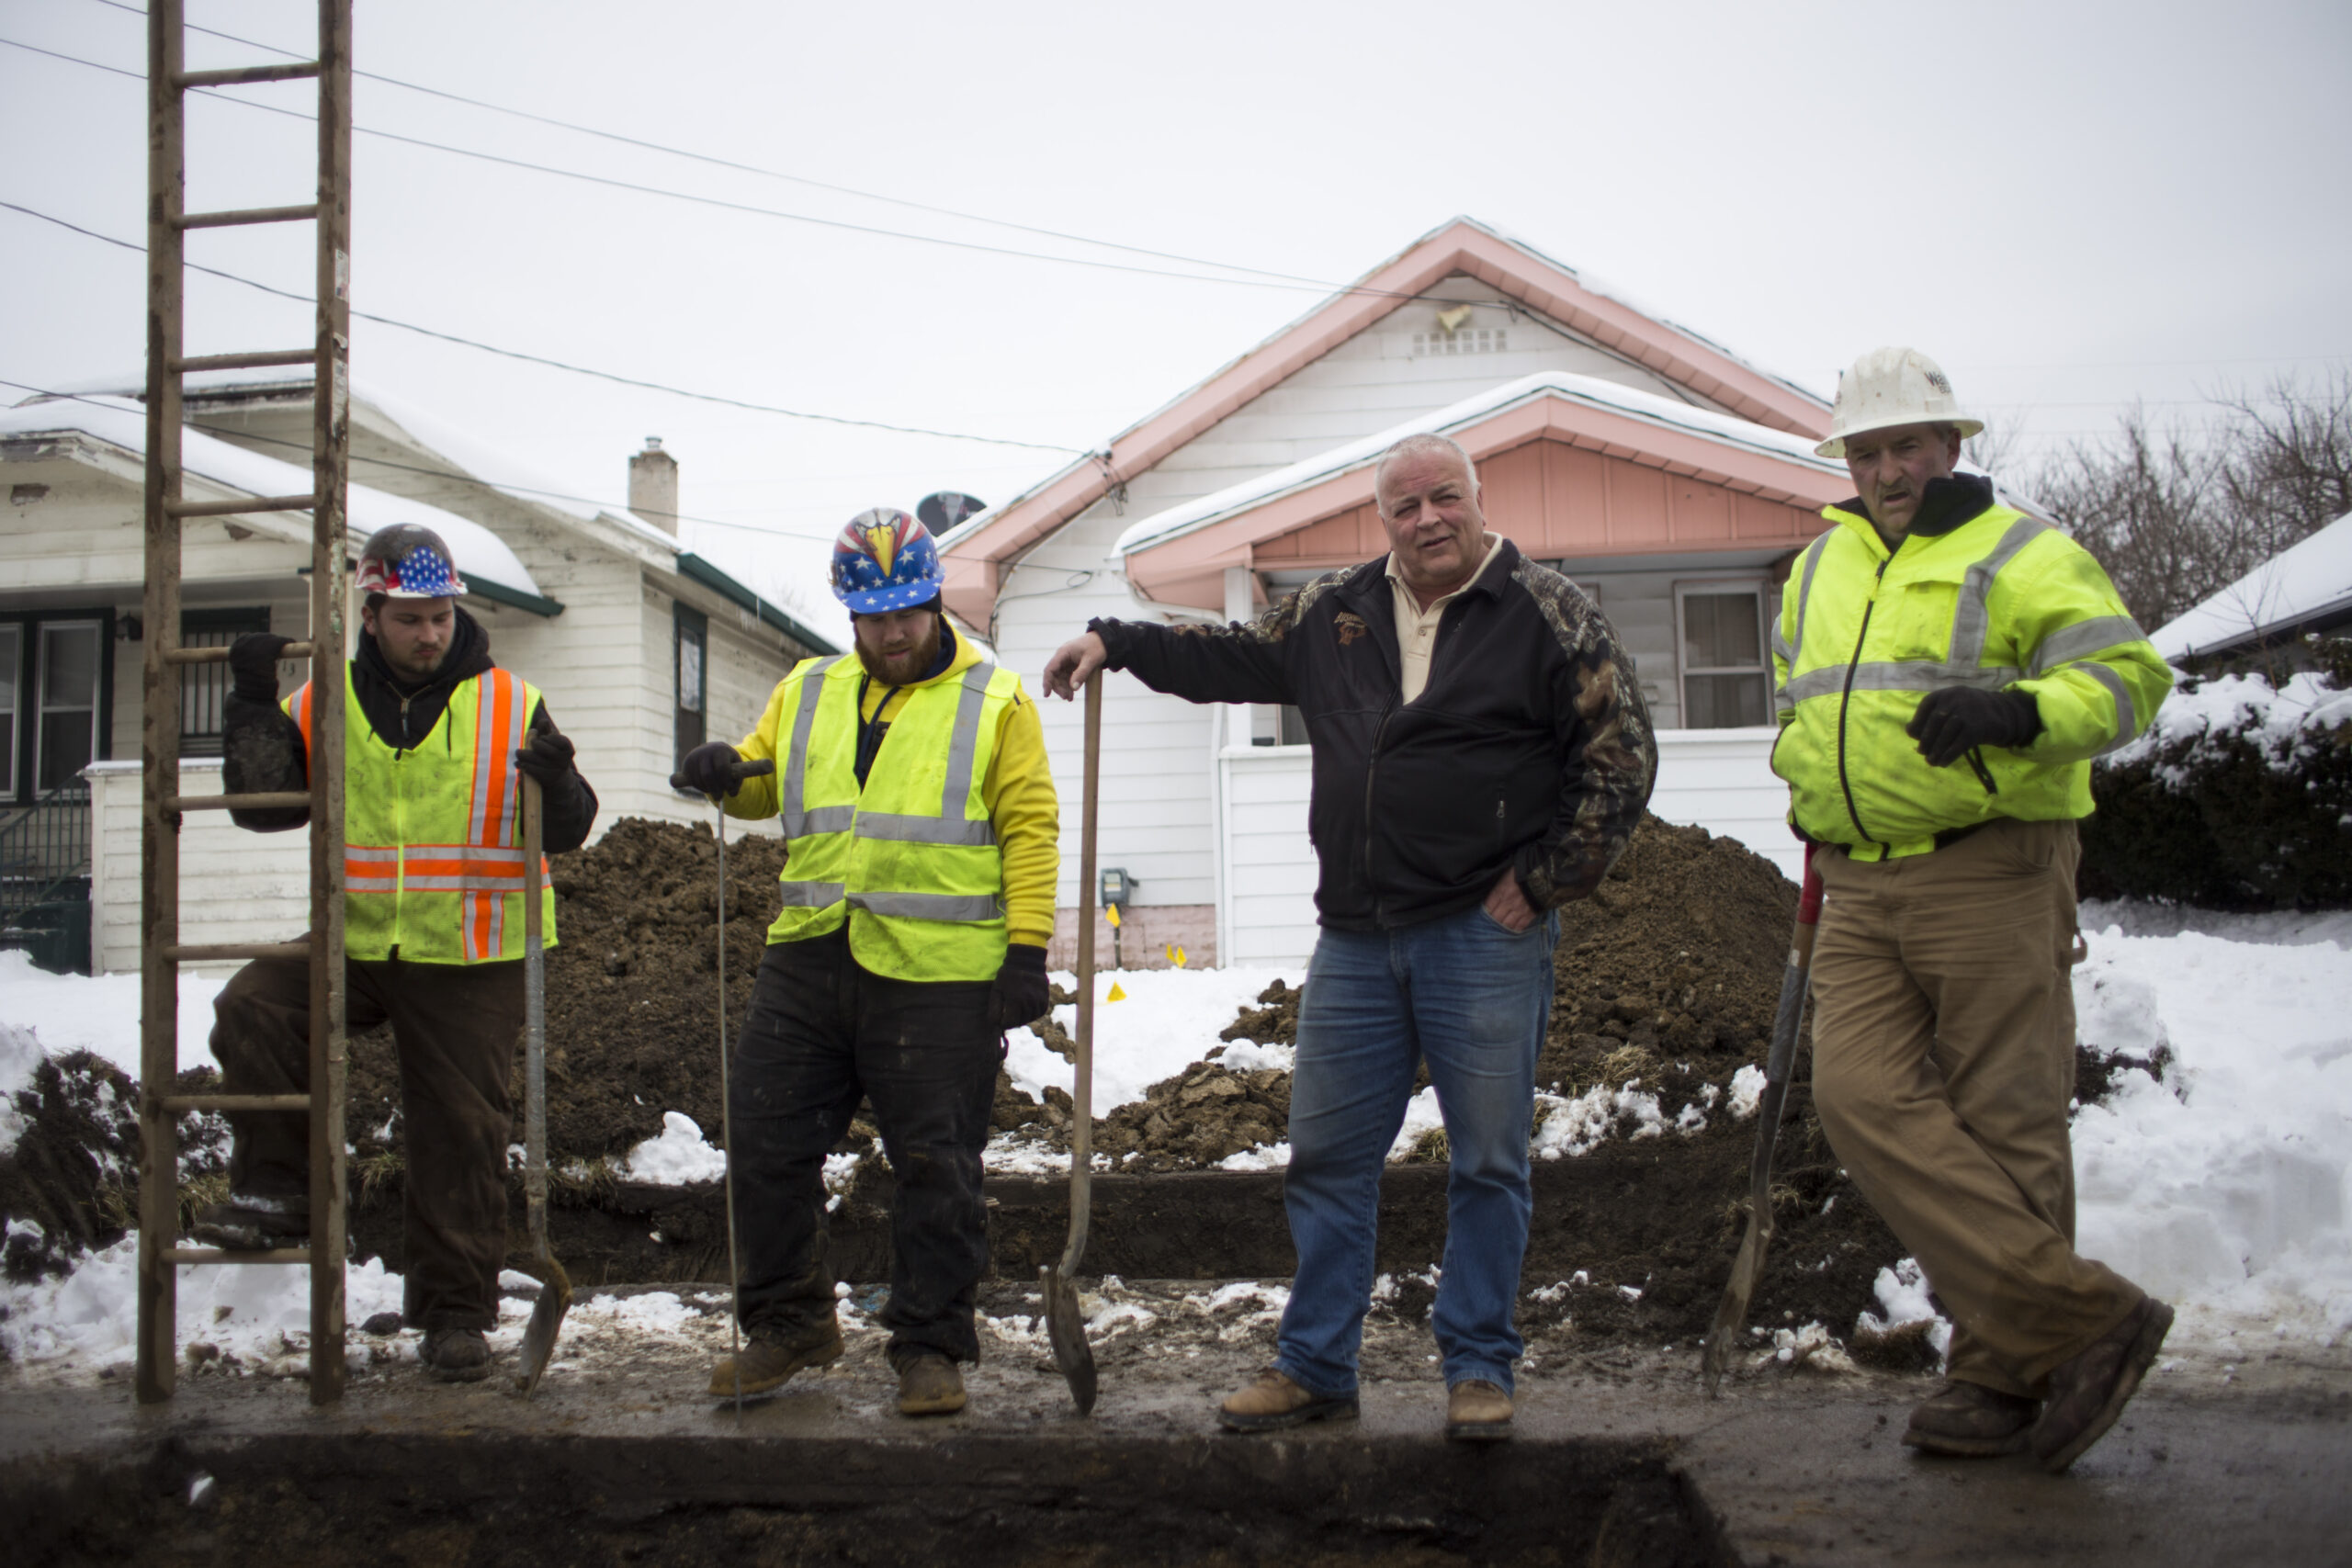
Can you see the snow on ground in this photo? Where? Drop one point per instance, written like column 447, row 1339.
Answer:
column 1167, row 1019
column 100, row 1014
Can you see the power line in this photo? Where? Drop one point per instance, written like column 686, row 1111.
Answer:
column 562, row 364
column 747, row 168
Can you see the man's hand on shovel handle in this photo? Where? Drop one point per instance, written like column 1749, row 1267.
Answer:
column 1073, row 664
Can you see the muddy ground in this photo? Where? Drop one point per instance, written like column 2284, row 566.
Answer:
column 1667, row 979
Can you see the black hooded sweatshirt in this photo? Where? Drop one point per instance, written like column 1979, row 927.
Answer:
column 262, row 747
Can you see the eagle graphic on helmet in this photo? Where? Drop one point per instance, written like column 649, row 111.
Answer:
column 884, row 560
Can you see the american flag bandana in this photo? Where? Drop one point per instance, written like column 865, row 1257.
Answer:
column 424, row 574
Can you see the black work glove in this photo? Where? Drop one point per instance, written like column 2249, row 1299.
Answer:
column 1020, row 995
column 1955, row 721
column 546, row 756
column 705, row 769
column 253, row 662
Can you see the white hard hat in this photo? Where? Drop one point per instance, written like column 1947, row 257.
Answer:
column 1888, row 387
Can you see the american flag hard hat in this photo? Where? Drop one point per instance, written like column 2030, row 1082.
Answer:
column 408, row 561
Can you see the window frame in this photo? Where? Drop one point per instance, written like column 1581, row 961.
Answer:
column 1758, row 585
column 25, row 786
column 210, row 620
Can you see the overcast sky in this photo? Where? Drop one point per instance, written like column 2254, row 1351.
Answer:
column 2072, row 206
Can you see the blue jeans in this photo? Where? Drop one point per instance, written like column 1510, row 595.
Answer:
column 1473, row 998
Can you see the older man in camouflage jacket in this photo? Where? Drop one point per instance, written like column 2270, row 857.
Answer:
column 1482, row 755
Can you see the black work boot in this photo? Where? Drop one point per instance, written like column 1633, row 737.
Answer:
column 1972, row 1421
column 2090, row 1391
column 252, row 1222
column 774, row 1354
column 454, row 1355
column 929, row 1383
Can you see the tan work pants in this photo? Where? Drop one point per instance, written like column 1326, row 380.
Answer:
column 1943, row 1067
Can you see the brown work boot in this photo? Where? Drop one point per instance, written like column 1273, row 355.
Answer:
column 929, row 1383
column 1272, row 1401
column 775, row 1355
column 1972, row 1421
column 454, row 1355
column 1478, row 1411
column 2087, row 1392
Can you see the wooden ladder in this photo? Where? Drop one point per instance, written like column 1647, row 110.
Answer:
column 161, row 950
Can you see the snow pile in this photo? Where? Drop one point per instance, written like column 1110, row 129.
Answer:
column 20, row 1054
column 1572, row 1127
column 1168, row 1020
column 2226, row 1184
column 1902, row 1291
column 1423, row 1117
column 1747, row 1092
column 2287, row 725
column 678, row 1155
column 100, row 1014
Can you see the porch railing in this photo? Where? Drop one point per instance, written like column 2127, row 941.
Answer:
column 45, row 879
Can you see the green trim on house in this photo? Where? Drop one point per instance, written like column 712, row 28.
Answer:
column 695, row 567
column 498, row 594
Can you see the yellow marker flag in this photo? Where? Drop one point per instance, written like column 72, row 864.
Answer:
column 1116, row 995
column 1110, row 911
column 1176, row 956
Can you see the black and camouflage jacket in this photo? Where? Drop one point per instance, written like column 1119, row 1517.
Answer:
column 1530, row 748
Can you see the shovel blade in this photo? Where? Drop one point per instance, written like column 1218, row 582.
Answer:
column 1731, row 1316
column 1066, row 1327
column 546, row 1321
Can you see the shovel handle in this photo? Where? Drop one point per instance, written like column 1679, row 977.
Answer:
column 534, row 1021
column 1081, row 1140
column 753, row 768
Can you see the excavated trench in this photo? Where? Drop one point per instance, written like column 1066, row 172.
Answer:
column 520, row 1500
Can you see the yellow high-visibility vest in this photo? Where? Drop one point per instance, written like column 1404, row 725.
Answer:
column 433, row 858
column 2001, row 603
column 910, row 861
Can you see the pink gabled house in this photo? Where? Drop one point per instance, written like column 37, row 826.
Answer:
column 1671, row 479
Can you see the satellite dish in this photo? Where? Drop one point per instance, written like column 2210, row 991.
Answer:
column 943, row 510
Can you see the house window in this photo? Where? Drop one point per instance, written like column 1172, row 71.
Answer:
column 203, row 688
column 12, row 660
column 693, row 641
column 1724, row 682
column 72, row 657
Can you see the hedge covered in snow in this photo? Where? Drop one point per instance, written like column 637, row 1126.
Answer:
column 2239, row 796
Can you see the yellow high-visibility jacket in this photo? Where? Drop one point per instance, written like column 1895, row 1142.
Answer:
column 2000, row 601
column 950, row 849
column 433, row 835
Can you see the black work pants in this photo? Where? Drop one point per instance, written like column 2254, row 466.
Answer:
column 822, row 1031
column 455, row 1026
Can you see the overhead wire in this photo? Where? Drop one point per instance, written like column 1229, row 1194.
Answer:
column 542, row 359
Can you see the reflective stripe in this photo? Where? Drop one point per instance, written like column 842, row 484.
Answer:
column 1907, row 675
column 1813, row 555
column 796, row 751
column 2096, row 634
column 811, row 894
column 1972, row 617
column 2127, row 726
column 952, row 907
column 829, row 819
column 961, row 744
column 496, row 807
column 902, row 830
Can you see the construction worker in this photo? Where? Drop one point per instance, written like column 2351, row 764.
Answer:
column 1482, row 756
column 1947, row 667
column 435, row 734
column 922, row 840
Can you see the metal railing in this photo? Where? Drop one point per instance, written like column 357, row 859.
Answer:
column 43, row 847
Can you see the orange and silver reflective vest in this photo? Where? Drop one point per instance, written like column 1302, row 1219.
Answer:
column 433, row 858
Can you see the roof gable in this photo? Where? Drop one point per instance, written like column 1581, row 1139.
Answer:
column 1522, row 274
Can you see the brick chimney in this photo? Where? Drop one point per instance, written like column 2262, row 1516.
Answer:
column 653, row 486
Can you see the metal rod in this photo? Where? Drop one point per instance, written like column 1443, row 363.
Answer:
column 330, row 602
column 221, row 951
column 255, row 360
column 242, row 216
column 300, row 72
column 727, row 1126
column 231, row 1255
column 159, row 891
column 238, row 508
column 255, row 800
column 220, row 654
column 181, row 1104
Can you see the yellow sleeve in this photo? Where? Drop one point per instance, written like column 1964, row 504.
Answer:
column 756, row 799
column 1019, row 792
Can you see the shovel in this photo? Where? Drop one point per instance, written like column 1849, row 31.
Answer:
column 736, row 773
column 1065, row 1327
column 1748, row 1267
column 555, row 1285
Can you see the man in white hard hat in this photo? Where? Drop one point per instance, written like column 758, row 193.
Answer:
column 1946, row 668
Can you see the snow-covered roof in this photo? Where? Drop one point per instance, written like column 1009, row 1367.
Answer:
column 481, row 556
column 2302, row 582
column 1648, row 407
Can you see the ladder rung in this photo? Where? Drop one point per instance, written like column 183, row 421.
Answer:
column 181, row 1104
column 220, row 654
column 231, row 1255
column 237, row 215
column 303, row 72
column 235, row 508
column 258, row 800
column 255, row 361
column 207, row 952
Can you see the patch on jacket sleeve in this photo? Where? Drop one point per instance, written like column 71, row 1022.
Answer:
column 1349, row 626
